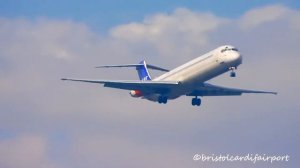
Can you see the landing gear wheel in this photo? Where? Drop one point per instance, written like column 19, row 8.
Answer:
column 232, row 74
column 162, row 99
column 196, row 101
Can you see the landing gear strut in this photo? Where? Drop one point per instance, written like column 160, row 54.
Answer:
column 232, row 73
column 162, row 99
column 196, row 101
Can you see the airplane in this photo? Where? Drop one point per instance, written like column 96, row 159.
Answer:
column 188, row 79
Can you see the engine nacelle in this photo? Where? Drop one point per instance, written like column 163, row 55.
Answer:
column 135, row 93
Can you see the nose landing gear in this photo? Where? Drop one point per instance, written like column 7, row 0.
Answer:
column 232, row 73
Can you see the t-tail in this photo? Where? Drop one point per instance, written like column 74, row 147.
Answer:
column 143, row 71
column 141, row 68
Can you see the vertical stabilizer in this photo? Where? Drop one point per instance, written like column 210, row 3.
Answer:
column 143, row 71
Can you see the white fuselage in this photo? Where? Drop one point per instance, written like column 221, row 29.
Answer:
column 197, row 71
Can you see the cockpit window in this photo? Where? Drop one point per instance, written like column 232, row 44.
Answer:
column 223, row 50
column 228, row 49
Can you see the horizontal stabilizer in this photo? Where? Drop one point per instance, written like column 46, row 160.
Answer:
column 134, row 65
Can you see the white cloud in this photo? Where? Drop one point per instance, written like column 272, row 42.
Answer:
column 182, row 22
column 24, row 151
column 43, row 38
column 179, row 33
column 258, row 16
column 120, row 151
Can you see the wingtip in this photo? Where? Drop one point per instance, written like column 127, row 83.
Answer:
column 102, row 66
column 63, row 79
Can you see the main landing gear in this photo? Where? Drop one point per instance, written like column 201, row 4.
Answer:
column 162, row 99
column 196, row 101
column 232, row 73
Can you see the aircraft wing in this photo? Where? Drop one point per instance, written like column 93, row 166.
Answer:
column 213, row 90
column 144, row 86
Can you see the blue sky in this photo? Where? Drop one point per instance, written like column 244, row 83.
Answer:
column 45, row 122
column 102, row 14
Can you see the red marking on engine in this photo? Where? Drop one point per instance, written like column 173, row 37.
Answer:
column 136, row 93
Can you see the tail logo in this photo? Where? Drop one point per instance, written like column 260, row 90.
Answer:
column 143, row 71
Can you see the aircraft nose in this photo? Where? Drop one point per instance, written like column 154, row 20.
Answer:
column 235, row 57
